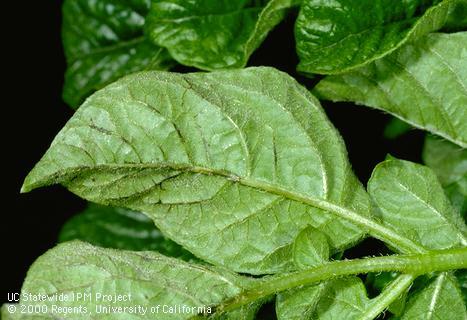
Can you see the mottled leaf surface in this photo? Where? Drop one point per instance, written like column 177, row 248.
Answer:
column 412, row 201
column 152, row 279
column 232, row 165
column 441, row 299
column 449, row 162
column 103, row 41
column 424, row 83
column 213, row 34
column 119, row 228
column 340, row 35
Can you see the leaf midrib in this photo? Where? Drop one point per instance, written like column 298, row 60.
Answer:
column 415, row 27
column 376, row 229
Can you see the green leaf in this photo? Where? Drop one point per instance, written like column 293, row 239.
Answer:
column 449, row 162
column 343, row 299
column 120, row 229
column 310, row 248
column 424, row 83
column 441, row 299
column 299, row 304
column 232, row 165
column 411, row 200
column 457, row 17
column 103, row 41
column 214, row 34
column 379, row 281
column 461, row 276
column 340, row 35
column 396, row 128
column 151, row 280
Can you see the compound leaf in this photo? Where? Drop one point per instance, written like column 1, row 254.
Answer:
column 423, row 83
column 103, row 41
column 340, row 35
column 232, row 165
column 213, row 34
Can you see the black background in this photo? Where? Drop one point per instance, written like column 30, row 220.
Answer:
column 34, row 112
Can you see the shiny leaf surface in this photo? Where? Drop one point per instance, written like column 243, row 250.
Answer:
column 424, row 83
column 103, row 41
column 340, row 35
column 213, row 34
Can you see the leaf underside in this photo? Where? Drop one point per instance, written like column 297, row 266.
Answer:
column 228, row 164
column 119, row 228
column 449, row 162
column 426, row 216
column 151, row 279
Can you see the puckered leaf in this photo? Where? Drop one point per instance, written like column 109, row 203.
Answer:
column 340, row 35
column 232, row 165
column 449, row 162
column 103, row 41
column 310, row 248
column 299, row 304
column 144, row 280
column 441, row 299
column 411, row 200
column 213, row 34
column 423, row 83
column 120, row 228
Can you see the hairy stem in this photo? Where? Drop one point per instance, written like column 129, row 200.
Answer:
column 412, row 264
column 395, row 289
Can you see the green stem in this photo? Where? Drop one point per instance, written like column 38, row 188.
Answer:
column 414, row 264
column 395, row 289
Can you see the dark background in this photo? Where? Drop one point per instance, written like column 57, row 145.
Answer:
column 35, row 112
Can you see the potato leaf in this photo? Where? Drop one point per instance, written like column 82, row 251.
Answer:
column 411, row 200
column 146, row 279
column 232, row 165
column 310, row 248
column 424, row 83
column 103, row 41
column 457, row 17
column 213, row 34
column 461, row 276
column 441, row 299
column 449, row 162
column 340, row 35
column 120, row 228
column 299, row 304
column 396, row 128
